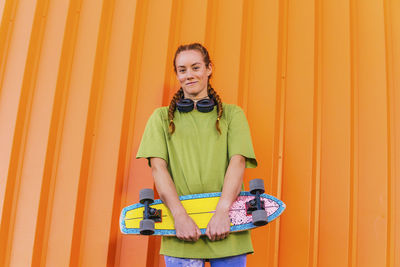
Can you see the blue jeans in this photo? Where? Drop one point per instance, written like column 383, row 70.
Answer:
column 234, row 261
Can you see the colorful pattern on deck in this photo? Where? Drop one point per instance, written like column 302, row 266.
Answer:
column 238, row 214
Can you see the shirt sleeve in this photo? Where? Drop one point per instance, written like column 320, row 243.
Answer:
column 239, row 138
column 153, row 144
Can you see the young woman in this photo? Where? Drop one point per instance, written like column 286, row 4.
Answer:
column 199, row 145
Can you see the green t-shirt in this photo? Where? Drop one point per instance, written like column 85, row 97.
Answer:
column 197, row 157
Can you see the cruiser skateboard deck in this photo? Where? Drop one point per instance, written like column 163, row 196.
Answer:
column 152, row 217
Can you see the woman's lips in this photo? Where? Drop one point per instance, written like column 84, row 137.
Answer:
column 191, row 83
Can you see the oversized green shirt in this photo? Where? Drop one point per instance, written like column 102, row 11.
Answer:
column 197, row 157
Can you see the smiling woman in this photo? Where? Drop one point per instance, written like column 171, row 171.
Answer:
column 198, row 157
column 193, row 74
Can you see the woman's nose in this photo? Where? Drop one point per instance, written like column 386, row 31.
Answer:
column 189, row 74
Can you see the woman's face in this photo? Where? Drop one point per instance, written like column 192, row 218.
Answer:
column 192, row 74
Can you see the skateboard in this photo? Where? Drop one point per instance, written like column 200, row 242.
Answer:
column 250, row 209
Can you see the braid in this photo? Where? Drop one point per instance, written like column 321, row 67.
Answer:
column 214, row 95
column 171, row 110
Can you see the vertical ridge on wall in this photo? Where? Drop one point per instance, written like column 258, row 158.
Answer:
column 47, row 183
column 393, row 77
column 55, row 138
column 389, row 85
column 211, row 21
column 107, row 129
column 393, row 82
column 60, row 167
column 391, row 148
column 373, row 198
column 299, row 133
column 2, row 4
column 245, row 54
column 7, row 187
column 12, row 193
column 229, row 15
column 244, row 77
column 173, row 42
column 353, row 230
column 279, row 123
column 335, row 138
column 6, row 28
column 78, row 254
column 123, row 245
column 317, row 135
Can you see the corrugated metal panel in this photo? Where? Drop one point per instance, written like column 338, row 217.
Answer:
column 319, row 81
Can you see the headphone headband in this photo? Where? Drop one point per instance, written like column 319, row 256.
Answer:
column 203, row 105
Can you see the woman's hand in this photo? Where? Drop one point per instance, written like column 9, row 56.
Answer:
column 219, row 226
column 186, row 228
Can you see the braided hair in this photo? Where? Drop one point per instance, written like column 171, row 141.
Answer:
column 171, row 110
column 179, row 94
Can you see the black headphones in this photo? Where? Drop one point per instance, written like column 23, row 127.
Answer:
column 203, row 105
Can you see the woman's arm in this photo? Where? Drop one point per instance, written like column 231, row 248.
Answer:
column 219, row 226
column 186, row 228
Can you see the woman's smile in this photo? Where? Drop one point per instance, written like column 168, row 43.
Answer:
column 191, row 83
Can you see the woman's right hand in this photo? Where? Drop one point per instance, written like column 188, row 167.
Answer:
column 186, row 228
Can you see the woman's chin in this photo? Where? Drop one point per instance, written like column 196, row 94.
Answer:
column 193, row 92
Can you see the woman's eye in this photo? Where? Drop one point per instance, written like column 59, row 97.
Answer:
column 196, row 68
column 181, row 71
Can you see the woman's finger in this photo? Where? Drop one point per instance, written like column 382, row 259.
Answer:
column 213, row 236
column 208, row 233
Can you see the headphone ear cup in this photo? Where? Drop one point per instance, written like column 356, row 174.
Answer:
column 205, row 105
column 185, row 105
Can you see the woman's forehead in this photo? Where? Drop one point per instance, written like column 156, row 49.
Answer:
column 188, row 58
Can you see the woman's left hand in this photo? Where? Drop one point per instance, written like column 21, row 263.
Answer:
column 219, row 226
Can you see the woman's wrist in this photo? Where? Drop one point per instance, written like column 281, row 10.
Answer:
column 223, row 206
column 179, row 212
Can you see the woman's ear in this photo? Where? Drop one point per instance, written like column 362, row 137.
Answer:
column 209, row 69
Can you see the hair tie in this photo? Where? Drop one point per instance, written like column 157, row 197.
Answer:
column 218, row 119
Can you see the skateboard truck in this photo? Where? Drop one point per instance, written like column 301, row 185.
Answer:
column 150, row 215
column 256, row 207
column 253, row 205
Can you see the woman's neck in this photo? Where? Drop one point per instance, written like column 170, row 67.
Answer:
column 196, row 97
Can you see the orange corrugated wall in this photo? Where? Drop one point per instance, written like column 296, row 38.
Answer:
column 319, row 81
